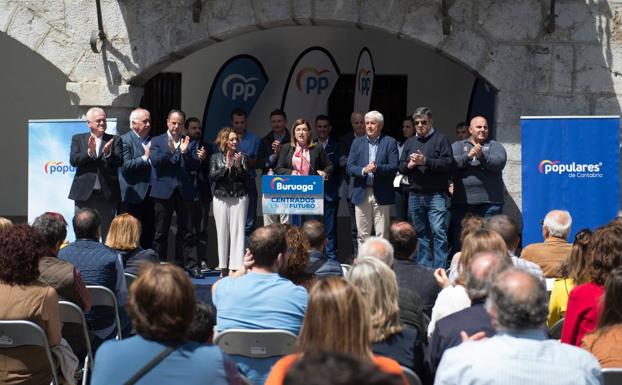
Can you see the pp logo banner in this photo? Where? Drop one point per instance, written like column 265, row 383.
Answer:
column 309, row 85
column 363, row 87
column 52, row 168
column 238, row 84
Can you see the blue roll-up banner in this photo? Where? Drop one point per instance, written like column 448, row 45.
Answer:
column 238, row 84
column 570, row 163
column 292, row 194
column 49, row 173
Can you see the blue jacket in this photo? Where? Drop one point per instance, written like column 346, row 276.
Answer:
column 320, row 266
column 172, row 170
column 387, row 159
column 135, row 173
column 331, row 186
column 97, row 264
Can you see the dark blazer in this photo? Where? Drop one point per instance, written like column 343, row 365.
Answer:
column 171, row 170
column 265, row 150
column 202, row 174
column 420, row 279
column 318, row 160
column 387, row 159
column 87, row 168
column 446, row 334
column 135, row 173
column 331, row 186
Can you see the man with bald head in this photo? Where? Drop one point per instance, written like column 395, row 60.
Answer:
column 550, row 254
column 478, row 181
column 520, row 352
column 96, row 156
column 135, row 174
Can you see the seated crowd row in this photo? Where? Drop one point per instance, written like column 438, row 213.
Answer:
column 388, row 312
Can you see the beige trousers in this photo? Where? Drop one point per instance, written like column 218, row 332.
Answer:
column 369, row 214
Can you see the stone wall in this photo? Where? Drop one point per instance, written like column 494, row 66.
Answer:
column 574, row 70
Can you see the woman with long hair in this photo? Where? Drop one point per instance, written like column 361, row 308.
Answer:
column 297, row 257
column 337, row 320
column 229, row 176
column 301, row 156
column 25, row 298
column 454, row 297
column 161, row 304
column 605, row 343
column 575, row 270
column 124, row 238
column 390, row 337
column 605, row 253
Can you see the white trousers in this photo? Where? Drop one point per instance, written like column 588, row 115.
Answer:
column 369, row 214
column 230, row 218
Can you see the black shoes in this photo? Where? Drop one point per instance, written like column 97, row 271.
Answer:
column 195, row 273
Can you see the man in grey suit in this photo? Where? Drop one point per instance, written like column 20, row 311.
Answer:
column 96, row 156
column 135, row 174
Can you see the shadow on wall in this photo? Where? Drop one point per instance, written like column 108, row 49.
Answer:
column 32, row 88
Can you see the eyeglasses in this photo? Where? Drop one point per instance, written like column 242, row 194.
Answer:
column 421, row 122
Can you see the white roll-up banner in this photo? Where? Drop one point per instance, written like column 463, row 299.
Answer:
column 363, row 87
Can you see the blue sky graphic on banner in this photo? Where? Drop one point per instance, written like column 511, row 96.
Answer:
column 309, row 84
column 238, row 84
column 570, row 163
column 49, row 172
column 364, row 84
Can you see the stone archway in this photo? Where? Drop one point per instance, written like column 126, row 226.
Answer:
column 568, row 71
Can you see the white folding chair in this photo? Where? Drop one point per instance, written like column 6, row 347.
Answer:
column 256, row 343
column 555, row 332
column 412, row 377
column 612, row 376
column 345, row 268
column 102, row 296
column 71, row 313
column 129, row 278
column 22, row 333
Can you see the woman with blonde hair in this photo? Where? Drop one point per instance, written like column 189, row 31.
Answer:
column 390, row 337
column 454, row 297
column 124, row 238
column 229, row 177
column 337, row 320
column 5, row 224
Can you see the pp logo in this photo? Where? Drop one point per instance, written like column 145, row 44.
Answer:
column 57, row 168
column 313, row 80
column 364, row 81
column 240, row 87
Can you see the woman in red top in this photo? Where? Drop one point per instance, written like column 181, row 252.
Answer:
column 584, row 302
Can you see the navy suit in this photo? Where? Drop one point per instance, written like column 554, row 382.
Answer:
column 372, row 196
column 135, row 181
column 387, row 159
column 173, row 189
column 331, row 198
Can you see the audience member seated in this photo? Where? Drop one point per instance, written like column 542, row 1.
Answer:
column 328, row 368
column 319, row 265
column 605, row 343
column 411, row 312
column 98, row 265
column 377, row 283
column 480, row 275
column 124, row 238
column 297, row 257
column 454, row 298
column 161, row 305
column 520, row 352
column 469, row 224
column 575, row 270
column 61, row 275
column 605, row 251
column 338, row 321
column 507, row 228
column 5, row 224
column 550, row 254
column 261, row 299
column 202, row 327
column 24, row 297
column 411, row 275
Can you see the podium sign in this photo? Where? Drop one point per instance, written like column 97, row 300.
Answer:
column 292, row 194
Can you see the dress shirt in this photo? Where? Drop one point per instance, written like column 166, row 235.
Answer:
column 518, row 357
column 373, row 149
column 144, row 142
